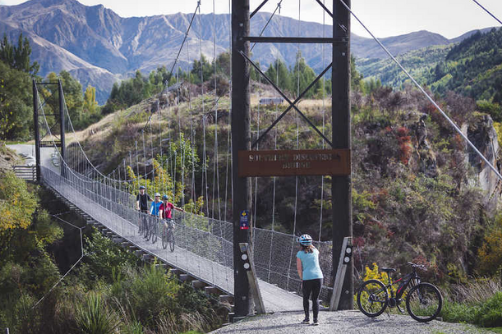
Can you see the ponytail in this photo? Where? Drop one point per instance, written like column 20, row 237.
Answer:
column 308, row 249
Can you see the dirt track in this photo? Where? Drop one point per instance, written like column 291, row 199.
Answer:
column 344, row 322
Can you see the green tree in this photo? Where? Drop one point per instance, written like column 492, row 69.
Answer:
column 302, row 76
column 223, row 64
column 18, row 57
column 201, row 67
column 16, row 111
column 279, row 74
column 90, row 103
column 356, row 78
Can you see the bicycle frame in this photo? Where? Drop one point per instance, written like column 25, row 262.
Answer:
column 411, row 278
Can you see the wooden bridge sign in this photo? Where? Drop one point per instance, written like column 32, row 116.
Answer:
column 294, row 162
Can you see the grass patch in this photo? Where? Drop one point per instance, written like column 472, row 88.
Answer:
column 485, row 314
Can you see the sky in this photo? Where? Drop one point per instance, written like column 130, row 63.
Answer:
column 450, row 18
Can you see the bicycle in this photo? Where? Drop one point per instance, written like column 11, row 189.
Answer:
column 423, row 300
column 142, row 222
column 153, row 230
column 168, row 235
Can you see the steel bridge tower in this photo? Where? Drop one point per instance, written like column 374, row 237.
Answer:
column 241, row 137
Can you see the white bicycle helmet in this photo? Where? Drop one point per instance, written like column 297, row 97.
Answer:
column 305, row 240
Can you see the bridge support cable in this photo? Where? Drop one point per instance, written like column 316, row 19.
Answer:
column 37, row 131
column 489, row 12
column 323, row 83
column 215, row 152
column 273, row 180
column 71, row 268
column 346, row 4
column 204, row 185
column 297, row 137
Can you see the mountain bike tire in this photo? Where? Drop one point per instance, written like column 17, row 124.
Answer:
column 171, row 241
column 424, row 302
column 164, row 238
column 372, row 298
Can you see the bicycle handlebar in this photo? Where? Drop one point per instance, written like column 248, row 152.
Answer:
column 419, row 266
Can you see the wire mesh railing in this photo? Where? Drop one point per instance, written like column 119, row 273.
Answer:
column 204, row 246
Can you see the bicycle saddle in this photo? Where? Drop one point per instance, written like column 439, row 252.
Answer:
column 388, row 270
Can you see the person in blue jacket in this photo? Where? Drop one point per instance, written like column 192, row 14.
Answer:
column 155, row 206
column 307, row 264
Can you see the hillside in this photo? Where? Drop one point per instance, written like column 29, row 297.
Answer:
column 472, row 67
column 398, row 171
column 99, row 47
column 418, row 63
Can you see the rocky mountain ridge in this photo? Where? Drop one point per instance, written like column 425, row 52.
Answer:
column 99, row 47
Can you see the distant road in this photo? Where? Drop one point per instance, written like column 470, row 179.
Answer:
column 29, row 150
column 344, row 322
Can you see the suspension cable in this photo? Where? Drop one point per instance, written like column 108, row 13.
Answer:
column 268, row 22
column 323, row 120
column 297, row 140
column 186, row 36
column 486, row 10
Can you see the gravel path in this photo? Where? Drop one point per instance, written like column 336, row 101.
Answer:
column 345, row 322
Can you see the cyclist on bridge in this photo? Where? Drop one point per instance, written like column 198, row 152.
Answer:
column 166, row 209
column 142, row 206
column 155, row 206
column 307, row 264
column 166, row 212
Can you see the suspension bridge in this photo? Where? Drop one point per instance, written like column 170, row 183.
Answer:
column 207, row 247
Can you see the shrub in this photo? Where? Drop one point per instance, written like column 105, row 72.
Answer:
column 95, row 317
column 17, row 204
column 490, row 254
column 458, row 312
column 104, row 258
column 490, row 312
column 152, row 294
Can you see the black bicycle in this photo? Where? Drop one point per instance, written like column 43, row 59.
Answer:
column 423, row 300
column 153, row 230
column 168, row 235
column 142, row 222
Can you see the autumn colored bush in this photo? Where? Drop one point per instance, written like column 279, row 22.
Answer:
column 17, row 204
column 490, row 253
column 405, row 145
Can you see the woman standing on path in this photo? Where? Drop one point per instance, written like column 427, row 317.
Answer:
column 307, row 264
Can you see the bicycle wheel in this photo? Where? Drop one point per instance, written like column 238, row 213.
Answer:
column 164, row 237
column 155, row 228
column 140, row 225
column 171, row 240
column 148, row 227
column 372, row 298
column 424, row 302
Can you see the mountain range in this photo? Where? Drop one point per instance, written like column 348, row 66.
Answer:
column 98, row 47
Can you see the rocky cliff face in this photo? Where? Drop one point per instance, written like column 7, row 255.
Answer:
column 480, row 131
column 482, row 134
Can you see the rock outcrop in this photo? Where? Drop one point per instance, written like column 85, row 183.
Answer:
column 482, row 134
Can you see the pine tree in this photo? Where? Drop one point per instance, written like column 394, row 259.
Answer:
column 18, row 57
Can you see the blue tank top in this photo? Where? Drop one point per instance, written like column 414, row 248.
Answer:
column 310, row 264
